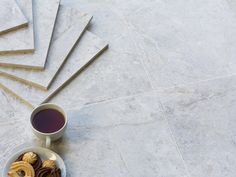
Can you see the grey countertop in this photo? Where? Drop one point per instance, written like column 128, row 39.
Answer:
column 159, row 103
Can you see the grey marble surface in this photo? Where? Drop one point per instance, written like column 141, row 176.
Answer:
column 67, row 33
column 159, row 103
column 89, row 47
column 20, row 40
column 11, row 16
column 45, row 13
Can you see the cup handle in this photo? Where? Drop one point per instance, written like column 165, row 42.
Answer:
column 48, row 142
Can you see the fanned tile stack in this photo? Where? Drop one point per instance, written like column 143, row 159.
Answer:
column 43, row 46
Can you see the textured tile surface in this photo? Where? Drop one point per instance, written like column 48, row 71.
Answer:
column 113, row 75
column 11, row 16
column 124, row 124
column 194, row 40
column 189, row 130
column 21, row 40
column 140, row 136
column 202, row 120
column 64, row 39
column 86, row 50
column 45, row 13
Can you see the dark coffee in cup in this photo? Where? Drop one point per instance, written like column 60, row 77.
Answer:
column 48, row 121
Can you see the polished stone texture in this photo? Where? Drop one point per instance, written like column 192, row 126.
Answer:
column 89, row 47
column 21, row 40
column 159, row 103
column 66, row 35
column 45, row 13
column 11, row 16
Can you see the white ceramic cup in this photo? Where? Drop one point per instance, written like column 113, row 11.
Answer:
column 48, row 137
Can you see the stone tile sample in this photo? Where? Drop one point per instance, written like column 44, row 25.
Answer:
column 45, row 13
column 89, row 47
column 21, row 40
column 66, row 35
column 11, row 16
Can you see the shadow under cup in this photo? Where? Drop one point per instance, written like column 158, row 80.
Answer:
column 48, row 122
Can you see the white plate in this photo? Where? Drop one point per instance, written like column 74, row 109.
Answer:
column 44, row 154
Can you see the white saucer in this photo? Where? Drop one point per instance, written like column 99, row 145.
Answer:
column 44, row 154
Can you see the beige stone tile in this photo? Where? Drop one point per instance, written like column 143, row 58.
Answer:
column 89, row 47
column 64, row 39
column 11, row 16
column 21, row 40
column 45, row 13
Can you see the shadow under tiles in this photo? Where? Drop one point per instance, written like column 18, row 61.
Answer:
column 89, row 47
column 66, row 34
column 45, row 13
